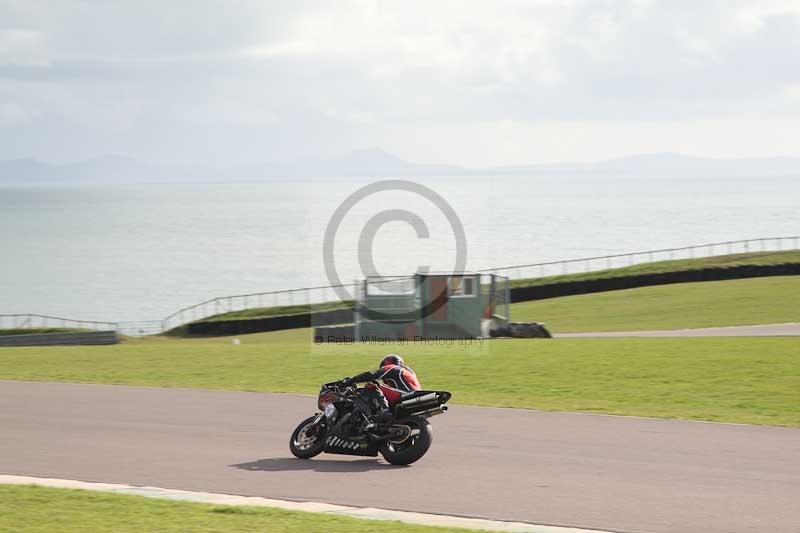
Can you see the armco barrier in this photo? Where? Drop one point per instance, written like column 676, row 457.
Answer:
column 272, row 323
column 568, row 288
column 60, row 339
column 518, row 294
column 310, row 296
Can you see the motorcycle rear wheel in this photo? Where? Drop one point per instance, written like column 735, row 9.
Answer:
column 305, row 446
column 413, row 448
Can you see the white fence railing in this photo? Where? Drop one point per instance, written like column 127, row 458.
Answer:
column 29, row 321
column 604, row 262
column 327, row 294
column 241, row 302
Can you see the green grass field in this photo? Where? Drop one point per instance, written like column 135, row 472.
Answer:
column 32, row 509
column 753, row 380
column 683, row 305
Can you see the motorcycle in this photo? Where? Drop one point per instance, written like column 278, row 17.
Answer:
column 344, row 425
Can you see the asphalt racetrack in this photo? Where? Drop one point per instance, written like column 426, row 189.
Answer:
column 592, row 471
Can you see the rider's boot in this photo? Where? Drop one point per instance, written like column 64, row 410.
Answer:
column 383, row 416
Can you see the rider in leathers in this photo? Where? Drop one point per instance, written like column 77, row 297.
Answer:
column 395, row 379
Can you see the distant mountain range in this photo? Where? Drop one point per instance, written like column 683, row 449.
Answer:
column 670, row 165
column 380, row 164
column 110, row 168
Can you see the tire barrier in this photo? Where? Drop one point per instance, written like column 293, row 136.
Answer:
column 522, row 330
column 60, row 339
column 271, row 323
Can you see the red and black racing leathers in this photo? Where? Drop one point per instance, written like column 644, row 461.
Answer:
column 393, row 382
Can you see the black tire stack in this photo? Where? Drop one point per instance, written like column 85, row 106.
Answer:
column 522, row 330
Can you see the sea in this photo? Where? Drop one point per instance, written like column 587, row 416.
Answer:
column 130, row 252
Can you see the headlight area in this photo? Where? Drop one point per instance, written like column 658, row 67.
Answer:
column 324, row 399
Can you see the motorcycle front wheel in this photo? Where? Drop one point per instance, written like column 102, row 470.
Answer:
column 308, row 439
column 413, row 448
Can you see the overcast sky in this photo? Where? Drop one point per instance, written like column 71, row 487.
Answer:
column 472, row 83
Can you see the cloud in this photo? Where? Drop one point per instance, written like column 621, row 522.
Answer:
column 23, row 48
column 275, row 80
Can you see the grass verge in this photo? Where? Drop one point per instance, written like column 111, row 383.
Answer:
column 748, row 380
column 683, row 305
column 32, row 509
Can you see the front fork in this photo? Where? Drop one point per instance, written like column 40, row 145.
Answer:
column 321, row 420
column 319, row 427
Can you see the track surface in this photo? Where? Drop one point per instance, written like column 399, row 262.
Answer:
column 594, row 471
column 790, row 329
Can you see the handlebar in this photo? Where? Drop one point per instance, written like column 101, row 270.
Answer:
column 339, row 386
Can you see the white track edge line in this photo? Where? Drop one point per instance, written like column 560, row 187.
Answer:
column 368, row 513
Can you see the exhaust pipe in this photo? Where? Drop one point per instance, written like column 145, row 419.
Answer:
column 432, row 412
column 428, row 398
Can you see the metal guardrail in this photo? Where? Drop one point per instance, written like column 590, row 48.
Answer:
column 141, row 328
column 604, row 262
column 327, row 294
column 31, row 321
column 324, row 294
column 34, row 321
column 242, row 302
